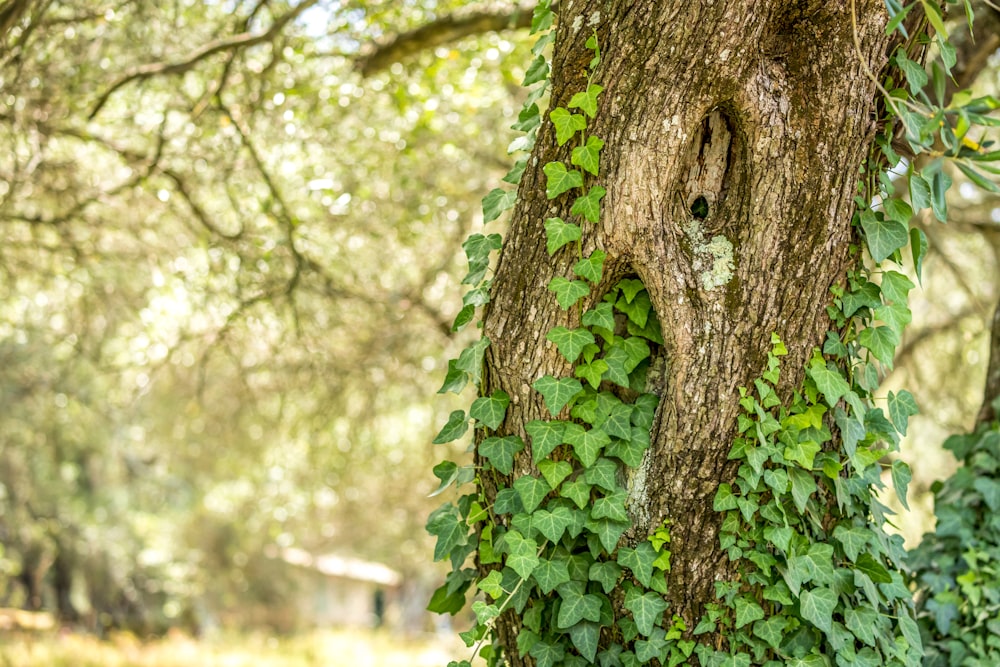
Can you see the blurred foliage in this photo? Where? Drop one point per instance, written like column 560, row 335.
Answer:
column 226, row 290
column 956, row 567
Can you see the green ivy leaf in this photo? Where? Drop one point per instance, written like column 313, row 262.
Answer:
column 578, row 491
column 592, row 372
column 445, row 602
column 484, row 612
column 456, row 427
column 802, row 453
column 896, row 317
column 851, row 430
column 586, row 100
column 501, row 452
column 895, row 287
column 490, row 410
column 600, row 315
column 449, row 473
column 528, row 118
column 629, row 452
column 747, row 611
column 863, row 621
column 548, row 654
column 570, row 341
column 920, row 191
column 587, row 444
column 532, row 491
column 455, row 379
column 643, row 410
column 602, row 474
column 772, row 630
column 617, row 421
column 637, row 309
column 466, row 315
column 611, row 506
column 447, row 524
column 875, row 570
column 560, row 179
column 779, row 536
column 557, row 393
column 606, row 573
column 647, row 609
column 866, row 295
column 554, row 472
column 639, row 560
column 901, row 477
column 537, row 71
column 881, row 341
column 490, row 584
column 724, row 499
column 817, row 607
column 918, row 249
column 522, row 553
column 552, row 523
column 576, row 605
column 803, row 486
column 940, row 184
column 589, row 205
column 608, row 531
column 884, row 236
column 915, row 74
column 588, row 156
column 648, row 649
column 828, row 380
column 471, row 360
column 853, row 540
column 567, row 124
column 590, row 267
column 987, row 487
column 496, row 202
column 898, row 210
column 816, row 565
column 545, row 436
column 550, row 574
column 558, row 233
column 902, row 406
column 584, row 636
column 568, row 292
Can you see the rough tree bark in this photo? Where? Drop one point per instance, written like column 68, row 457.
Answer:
column 763, row 108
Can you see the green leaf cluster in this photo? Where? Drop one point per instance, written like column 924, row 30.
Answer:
column 819, row 577
column 955, row 568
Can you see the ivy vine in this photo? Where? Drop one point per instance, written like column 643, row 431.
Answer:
column 819, row 580
column 955, row 567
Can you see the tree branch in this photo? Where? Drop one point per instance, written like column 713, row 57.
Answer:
column 444, row 30
column 233, row 43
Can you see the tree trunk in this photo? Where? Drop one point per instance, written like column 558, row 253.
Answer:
column 991, row 392
column 763, row 108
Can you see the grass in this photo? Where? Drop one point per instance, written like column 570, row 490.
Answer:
column 319, row 649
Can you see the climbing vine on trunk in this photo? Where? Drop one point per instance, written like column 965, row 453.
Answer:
column 569, row 567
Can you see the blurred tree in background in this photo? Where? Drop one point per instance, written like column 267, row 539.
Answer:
column 231, row 239
column 226, row 278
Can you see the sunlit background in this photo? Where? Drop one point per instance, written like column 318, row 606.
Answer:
column 229, row 266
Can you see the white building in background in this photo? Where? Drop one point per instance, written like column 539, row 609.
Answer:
column 334, row 591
